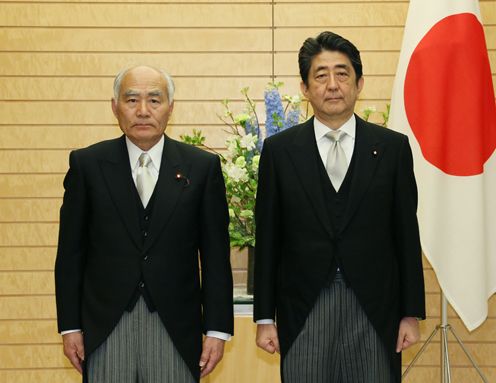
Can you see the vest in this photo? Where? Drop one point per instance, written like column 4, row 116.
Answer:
column 336, row 204
column 145, row 215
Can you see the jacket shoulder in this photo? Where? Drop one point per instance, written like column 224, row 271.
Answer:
column 288, row 135
column 381, row 132
column 192, row 152
column 99, row 149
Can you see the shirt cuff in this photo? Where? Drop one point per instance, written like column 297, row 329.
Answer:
column 219, row 335
column 69, row 331
column 265, row 321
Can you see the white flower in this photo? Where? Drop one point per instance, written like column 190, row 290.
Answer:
column 295, row 100
column 231, row 213
column 248, row 141
column 236, row 173
column 241, row 118
column 246, row 214
column 254, row 162
column 232, row 145
column 370, row 109
column 240, row 161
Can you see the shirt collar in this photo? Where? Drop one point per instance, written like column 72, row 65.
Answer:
column 349, row 127
column 155, row 153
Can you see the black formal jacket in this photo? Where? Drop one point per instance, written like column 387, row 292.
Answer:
column 377, row 246
column 101, row 255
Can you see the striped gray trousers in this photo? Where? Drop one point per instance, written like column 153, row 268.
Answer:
column 337, row 343
column 139, row 350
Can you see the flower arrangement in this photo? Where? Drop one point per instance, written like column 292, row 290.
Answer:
column 244, row 145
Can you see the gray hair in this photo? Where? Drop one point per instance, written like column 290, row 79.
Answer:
column 167, row 77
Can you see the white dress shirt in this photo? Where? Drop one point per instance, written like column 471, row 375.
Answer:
column 324, row 144
column 347, row 141
column 155, row 154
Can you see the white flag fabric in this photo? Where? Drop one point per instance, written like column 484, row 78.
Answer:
column 443, row 99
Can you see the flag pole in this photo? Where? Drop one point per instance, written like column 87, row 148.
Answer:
column 445, row 327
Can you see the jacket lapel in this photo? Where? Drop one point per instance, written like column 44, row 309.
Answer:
column 368, row 153
column 303, row 153
column 168, row 189
column 117, row 174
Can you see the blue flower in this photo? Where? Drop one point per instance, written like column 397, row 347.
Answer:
column 292, row 118
column 274, row 111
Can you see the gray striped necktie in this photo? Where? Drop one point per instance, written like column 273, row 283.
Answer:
column 336, row 164
column 145, row 183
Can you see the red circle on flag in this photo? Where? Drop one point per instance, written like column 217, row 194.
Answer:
column 449, row 98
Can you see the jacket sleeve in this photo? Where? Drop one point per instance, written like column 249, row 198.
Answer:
column 267, row 247
column 71, row 251
column 217, row 283
column 412, row 297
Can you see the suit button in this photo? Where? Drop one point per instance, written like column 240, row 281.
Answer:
column 145, row 257
column 145, row 234
column 147, row 218
column 142, row 284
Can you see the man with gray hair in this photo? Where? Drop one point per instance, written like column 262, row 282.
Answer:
column 140, row 215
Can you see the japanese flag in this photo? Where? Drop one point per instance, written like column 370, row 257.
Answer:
column 443, row 99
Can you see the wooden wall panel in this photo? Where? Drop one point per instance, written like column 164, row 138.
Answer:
column 376, row 38
column 75, row 136
column 28, row 234
column 57, row 63
column 109, row 64
column 135, row 15
column 31, row 185
column 344, row 14
column 27, row 258
column 27, row 308
column 33, row 161
column 44, row 375
column 134, row 40
column 100, row 88
column 30, row 210
column 100, row 112
column 374, row 63
column 26, row 283
column 29, row 332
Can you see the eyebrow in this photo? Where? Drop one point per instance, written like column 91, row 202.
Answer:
column 153, row 93
column 131, row 93
column 337, row 66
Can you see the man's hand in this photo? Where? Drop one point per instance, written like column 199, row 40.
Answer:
column 212, row 353
column 74, row 349
column 408, row 333
column 267, row 338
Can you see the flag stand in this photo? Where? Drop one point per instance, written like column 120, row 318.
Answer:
column 445, row 327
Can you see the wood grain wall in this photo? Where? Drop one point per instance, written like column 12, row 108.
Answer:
column 57, row 62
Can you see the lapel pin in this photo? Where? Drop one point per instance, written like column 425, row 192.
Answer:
column 180, row 177
column 374, row 152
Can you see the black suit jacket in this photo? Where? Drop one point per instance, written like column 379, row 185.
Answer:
column 378, row 245
column 101, row 255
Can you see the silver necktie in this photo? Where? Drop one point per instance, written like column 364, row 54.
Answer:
column 336, row 164
column 145, row 183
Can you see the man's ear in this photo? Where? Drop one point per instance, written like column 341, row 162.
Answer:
column 114, row 106
column 360, row 84
column 304, row 88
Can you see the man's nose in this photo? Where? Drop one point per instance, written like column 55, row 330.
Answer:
column 332, row 83
column 142, row 110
